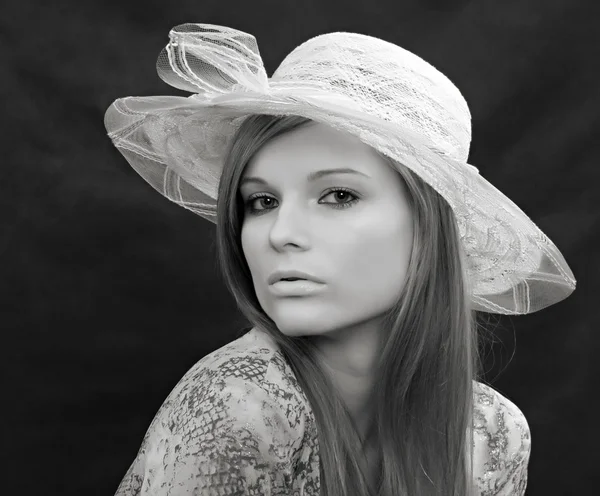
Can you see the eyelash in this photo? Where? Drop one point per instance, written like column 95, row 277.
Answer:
column 256, row 211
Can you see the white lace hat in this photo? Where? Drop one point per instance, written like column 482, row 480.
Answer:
column 384, row 95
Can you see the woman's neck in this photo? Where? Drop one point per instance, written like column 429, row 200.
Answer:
column 349, row 356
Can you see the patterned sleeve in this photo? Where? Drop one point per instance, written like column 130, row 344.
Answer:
column 502, row 445
column 514, row 482
column 226, row 437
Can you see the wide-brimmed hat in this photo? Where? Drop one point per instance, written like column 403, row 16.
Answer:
column 386, row 96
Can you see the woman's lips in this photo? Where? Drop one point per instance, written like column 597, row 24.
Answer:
column 301, row 287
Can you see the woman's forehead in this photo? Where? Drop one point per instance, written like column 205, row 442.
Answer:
column 311, row 148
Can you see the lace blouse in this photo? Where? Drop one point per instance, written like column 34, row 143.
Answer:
column 238, row 423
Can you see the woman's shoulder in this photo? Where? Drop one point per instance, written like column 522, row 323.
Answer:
column 247, row 358
column 493, row 411
column 233, row 421
column 502, row 443
column 248, row 370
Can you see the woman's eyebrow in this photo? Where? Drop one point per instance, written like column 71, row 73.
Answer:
column 313, row 176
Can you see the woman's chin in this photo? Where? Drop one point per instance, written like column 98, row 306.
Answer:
column 300, row 325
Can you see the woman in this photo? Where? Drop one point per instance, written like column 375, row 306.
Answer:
column 347, row 170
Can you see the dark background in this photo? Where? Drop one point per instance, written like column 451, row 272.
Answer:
column 110, row 293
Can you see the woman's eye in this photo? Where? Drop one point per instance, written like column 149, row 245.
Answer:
column 337, row 193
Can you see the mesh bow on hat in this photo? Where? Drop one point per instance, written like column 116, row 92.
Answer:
column 384, row 95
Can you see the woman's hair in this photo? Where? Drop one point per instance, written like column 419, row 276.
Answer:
column 428, row 358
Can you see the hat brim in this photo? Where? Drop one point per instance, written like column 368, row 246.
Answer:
column 178, row 145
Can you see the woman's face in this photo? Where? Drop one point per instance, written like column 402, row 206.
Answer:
column 357, row 242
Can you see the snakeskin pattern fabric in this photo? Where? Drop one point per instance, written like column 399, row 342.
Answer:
column 238, row 423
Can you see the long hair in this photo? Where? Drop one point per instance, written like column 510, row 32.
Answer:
column 428, row 357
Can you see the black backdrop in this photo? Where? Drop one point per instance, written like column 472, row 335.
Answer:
column 110, row 293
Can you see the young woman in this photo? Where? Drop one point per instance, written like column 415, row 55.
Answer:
column 359, row 243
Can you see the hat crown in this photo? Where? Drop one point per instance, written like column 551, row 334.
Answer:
column 387, row 81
